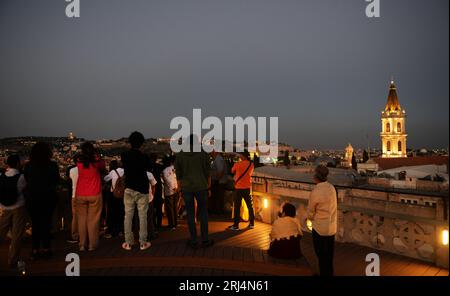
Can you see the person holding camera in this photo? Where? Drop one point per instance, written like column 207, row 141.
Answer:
column 243, row 171
column 89, row 196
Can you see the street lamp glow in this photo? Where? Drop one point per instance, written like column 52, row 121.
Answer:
column 309, row 224
column 265, row 203
column 445, row 237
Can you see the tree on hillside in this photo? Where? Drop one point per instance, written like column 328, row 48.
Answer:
column 365, row 156
column 287, row 161
column 354, row 164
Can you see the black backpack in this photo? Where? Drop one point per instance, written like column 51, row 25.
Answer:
column 8, row 189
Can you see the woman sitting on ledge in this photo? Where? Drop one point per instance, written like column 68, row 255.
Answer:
column 286, row 235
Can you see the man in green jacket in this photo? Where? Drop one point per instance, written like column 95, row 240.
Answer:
column 193, row 175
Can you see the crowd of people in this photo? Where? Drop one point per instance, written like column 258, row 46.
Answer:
column 139, row 184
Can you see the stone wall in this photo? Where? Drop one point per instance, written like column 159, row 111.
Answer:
column 373, row 218
column 431, row 186
column 409, row 183
column 380, row 182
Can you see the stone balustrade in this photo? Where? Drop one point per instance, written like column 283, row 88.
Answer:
column 408, row 224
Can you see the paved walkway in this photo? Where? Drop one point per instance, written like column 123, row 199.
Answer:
column 235, row 253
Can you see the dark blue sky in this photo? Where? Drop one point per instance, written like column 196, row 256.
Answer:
column 321, row 66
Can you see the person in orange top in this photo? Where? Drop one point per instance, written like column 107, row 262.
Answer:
column 243, row 171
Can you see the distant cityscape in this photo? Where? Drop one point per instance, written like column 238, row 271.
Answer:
column 392, row 161
column 65, row 148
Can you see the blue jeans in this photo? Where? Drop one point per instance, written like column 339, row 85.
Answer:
column 202, row 209
column 132, row 199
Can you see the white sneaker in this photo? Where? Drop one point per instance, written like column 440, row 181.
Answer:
column 233, row 227
column 145, row 246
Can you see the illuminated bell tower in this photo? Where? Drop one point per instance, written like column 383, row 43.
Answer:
column 348, row 155
column 393, row 131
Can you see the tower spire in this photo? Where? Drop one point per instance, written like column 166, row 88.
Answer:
column 392, row 101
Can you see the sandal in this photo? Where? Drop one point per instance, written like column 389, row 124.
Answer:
column 126, row 246
column 145, row 246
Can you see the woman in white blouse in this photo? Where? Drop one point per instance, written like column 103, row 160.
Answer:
column 286, row 234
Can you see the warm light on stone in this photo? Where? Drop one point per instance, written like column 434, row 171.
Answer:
column 445, row 237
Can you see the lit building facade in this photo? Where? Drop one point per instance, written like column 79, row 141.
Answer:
column 393, row 131
column 348, row 155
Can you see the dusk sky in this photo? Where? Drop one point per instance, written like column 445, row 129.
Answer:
column 321, row 66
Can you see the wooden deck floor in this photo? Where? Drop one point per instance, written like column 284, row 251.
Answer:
column 234, row 253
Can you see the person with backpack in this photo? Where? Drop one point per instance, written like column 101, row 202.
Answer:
column 89, row 196
column 42, row 178
column 12, row 204
column 116, row 211
column 243, row 171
